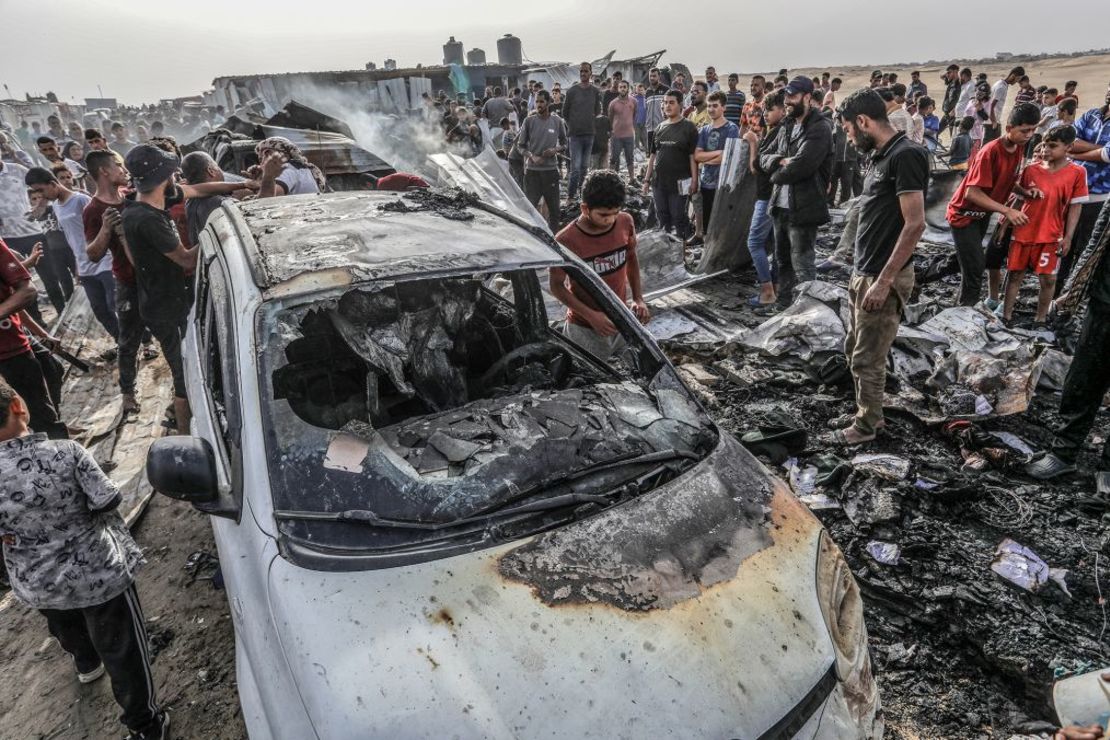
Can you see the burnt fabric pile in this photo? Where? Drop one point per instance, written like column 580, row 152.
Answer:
column 960, row 363
column 410, row 339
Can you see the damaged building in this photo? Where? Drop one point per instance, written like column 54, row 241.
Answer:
column 399, row 90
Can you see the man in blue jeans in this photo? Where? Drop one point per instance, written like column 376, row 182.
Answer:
column 581, row 105
column 95, row 277
column 800, row 169
column 671, row 162
column 762, row 227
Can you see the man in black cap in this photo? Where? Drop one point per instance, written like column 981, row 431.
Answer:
column 800, row 169
column 161, row 262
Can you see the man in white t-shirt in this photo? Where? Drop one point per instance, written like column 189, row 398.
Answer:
column 894, row 97
column 999, row 92
column 95, row 277
column 15, row 228
column 284, row 170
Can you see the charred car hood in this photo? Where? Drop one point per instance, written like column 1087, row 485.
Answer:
column 688, row 612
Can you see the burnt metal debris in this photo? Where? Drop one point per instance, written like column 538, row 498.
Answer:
column 325, row 141
column 447, row 400
column 920, row 514
column 453, row 205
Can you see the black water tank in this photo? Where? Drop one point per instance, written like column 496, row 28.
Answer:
column 453, row 52
column 509, row 51
column 475, row 57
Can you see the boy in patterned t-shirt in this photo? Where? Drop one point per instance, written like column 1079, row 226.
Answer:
column 69, row 554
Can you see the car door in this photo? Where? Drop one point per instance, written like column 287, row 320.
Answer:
column 267, row 693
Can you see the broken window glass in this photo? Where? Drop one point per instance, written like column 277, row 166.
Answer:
column 438, row 400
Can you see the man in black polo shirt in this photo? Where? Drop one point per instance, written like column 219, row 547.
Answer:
column 161, row 262
column 891, row 220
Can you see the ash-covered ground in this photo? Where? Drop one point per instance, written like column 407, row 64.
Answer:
column 960, row 652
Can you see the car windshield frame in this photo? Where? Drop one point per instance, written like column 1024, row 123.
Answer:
column 302, row 542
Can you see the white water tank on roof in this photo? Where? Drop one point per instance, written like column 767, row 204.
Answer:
column 453, row 52
column 509, row 51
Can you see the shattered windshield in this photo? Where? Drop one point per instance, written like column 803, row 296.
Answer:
column 448, row 411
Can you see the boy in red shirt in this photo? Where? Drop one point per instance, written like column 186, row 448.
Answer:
column 1058, row 189
column 604, row 237
column 19, row 365
column 989, row 182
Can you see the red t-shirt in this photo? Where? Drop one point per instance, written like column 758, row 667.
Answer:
column 401, row 181
column 1046, row 215
column 93, row 218
column 606, row 253
column 994, row 171
column 177, row 213
column 13, row 341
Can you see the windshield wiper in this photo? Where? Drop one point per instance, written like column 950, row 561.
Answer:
column 365, row 516
column 502, row 510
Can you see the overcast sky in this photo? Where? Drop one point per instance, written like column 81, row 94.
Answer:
column 139, row 51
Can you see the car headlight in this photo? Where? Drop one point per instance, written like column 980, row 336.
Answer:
column 842, row 608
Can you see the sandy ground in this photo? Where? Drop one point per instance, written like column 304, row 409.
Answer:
column 1091, row 72
column 188, row 620
column 191, row 635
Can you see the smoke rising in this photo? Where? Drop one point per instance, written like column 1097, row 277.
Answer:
column 405, row 141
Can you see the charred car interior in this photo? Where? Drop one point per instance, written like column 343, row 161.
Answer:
column 418, row 418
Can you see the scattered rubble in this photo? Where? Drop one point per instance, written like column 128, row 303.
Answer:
column 960, row 652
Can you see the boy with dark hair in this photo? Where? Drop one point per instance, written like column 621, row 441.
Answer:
column 68, row 554
column 1069, row 91
column 101, row 223
column 734, row 100
column 926, row 108
column 604, row 237
column 670, row 162
column 161, row 262
column 1058, row 188
column 960, row 150
column 712, row 140
column 999, row 91
column 95, row 278
column 120, row 144
column 94, row 140
column 988, row 184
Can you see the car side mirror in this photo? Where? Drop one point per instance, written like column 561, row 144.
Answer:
column 183, row 468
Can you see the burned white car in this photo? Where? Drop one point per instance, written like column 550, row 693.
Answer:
column 437, row 517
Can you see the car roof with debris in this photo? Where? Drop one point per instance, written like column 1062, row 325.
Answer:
column 377, row 235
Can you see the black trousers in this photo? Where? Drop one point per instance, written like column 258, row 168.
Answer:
column 52, row 372
column 1087, row 381
column 131, row 331
column 707, row 198
column 845, row 177
column 25, row 374
column 516, row 169
column 544, row 185
column 1084, row 230
column 112, row 633
column 973, row 260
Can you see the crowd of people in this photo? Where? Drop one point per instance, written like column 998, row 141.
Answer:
column 119, row 217
column 119, row 220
